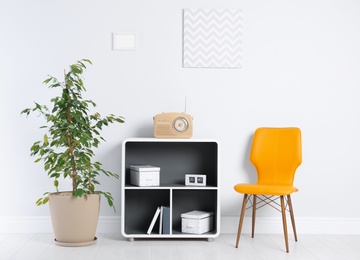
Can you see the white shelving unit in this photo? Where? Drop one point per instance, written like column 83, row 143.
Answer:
column 175, row 157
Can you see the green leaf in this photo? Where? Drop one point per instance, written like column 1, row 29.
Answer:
column 45, row 200
column 46, row 81
column 88, row 61
column 46, row 140
column 25, row 111
column 39, row 202
column 46, row 167
column 110, row 202
column 79, row 192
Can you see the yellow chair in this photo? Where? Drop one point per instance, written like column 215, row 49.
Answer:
column 276, row 154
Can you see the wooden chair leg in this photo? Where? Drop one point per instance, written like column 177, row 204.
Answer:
column 283, row 212
column 253, row 216
column 243, row 208
column 292, row 216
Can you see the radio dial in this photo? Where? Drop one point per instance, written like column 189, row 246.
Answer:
column 180, row 124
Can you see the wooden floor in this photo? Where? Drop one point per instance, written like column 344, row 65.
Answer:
column 114, row 246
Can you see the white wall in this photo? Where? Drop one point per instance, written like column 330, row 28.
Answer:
column 301, row 68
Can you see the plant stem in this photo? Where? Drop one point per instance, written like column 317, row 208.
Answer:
column 71, row 141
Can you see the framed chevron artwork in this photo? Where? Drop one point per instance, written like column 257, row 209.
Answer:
column 212, row 38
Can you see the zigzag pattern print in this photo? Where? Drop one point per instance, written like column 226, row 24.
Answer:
column 212, row 38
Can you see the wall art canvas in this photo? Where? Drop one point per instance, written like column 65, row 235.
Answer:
column 212, row 38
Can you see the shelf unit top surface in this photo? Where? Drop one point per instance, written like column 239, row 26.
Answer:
column 142, row 139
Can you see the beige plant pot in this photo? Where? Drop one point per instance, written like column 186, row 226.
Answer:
column 74, row 219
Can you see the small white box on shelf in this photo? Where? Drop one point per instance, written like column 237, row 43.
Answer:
column 144, row 175
column 197, row 222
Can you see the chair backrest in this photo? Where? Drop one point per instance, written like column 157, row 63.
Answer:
column 276, row 153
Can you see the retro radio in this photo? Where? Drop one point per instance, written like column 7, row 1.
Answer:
column 173, row 125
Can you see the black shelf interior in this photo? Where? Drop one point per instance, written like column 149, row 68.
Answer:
column 175, row 159
column 140, row 206
column 189, row 200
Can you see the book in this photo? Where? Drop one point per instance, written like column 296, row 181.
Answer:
column 156, row 215
column 161, row 219
column 166, row 220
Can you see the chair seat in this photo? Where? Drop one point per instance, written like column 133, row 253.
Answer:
column 258, row 189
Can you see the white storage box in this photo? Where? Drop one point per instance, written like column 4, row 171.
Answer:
column 144, row 175
column 197, row 222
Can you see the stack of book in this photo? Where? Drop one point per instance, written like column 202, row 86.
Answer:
column 163, row 214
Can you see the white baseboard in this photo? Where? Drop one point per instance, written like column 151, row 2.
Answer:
column 303, row 225
column 228, row 225
column 43, row 225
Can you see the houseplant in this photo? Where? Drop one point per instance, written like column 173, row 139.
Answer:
column 67, row 151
